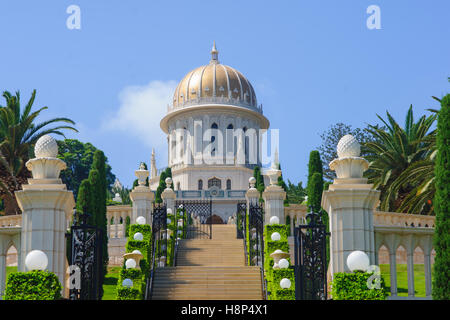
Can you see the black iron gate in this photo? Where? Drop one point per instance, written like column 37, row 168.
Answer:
column 159, row 244
column 256, row 232
column 311, row 259
column 241, row 221
column 86, row 260
column 199, row 214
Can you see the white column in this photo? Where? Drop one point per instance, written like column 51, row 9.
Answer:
column 427, row 267
column 292, row 220
column 116, row 225
column 350, row 202
column 410, row 267
column 142, row 197
column 46, row 205
column 2, row 265
column 393, row 271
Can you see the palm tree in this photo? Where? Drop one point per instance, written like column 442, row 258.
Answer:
column 394, row 151
column 18, row 134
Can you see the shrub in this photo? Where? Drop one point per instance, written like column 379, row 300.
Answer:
column 33, row 285
column 124, row 293
column 441, row 276
column 353, row 286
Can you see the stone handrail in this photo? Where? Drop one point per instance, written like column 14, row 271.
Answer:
column 11, row 221
column 381, row 218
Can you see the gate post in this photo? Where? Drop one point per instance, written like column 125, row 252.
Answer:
column 46, row 206
column 169, row 196
column 252, row 194
column 142, row 197
column 350, row 202
column 274, row 196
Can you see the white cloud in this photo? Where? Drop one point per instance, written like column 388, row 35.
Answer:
column 140, row 111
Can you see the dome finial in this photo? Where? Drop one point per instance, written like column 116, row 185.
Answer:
column 214, row 54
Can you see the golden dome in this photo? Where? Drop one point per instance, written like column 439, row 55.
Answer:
column 215, row 83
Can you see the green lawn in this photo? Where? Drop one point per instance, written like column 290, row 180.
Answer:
column 109, row 286
column 402, row 279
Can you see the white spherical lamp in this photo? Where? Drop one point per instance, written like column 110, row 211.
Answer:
column 169, row 221
column 138, row 236
column 169, row 211
column 137, row 252
column 36, row 260
column 128, row 283
column 283, row 264
column 274, row 220
column 130, row 264
column 140, row 220
column 285, row 283
column 358, row 260
column 275, row 236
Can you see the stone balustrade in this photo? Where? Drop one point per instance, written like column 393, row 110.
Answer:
column 116, row 217
column 11, row 221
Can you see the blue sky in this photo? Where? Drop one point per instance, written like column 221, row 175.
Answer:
column 312, row 63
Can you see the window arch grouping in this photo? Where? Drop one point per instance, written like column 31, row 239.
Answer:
column 200, row 184
column 214, row 182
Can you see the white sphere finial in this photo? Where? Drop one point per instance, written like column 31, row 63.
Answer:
column 348, row 146
column 46, row 147
column 358, row 260
column 36, row 260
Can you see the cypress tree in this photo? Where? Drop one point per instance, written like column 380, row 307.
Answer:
column 315, row 189
column 314, row 165
column 441, row 274
column 282, row 184
column 85, row 201
column 97, row 179
column 162, row 184
column 259, row 179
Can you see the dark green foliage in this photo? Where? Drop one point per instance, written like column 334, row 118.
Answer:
column 79, row 158
column 162, row 184
column 296, row 193
column 124, row 293
column 85, row 200
column 259, row 179
column 314, row 165
column 99, row 187
column 353, row 286
column 127, row 225
column 282, row 184
column 315, row 188
column 276, row 291
column 441, row 275
column 33, row 285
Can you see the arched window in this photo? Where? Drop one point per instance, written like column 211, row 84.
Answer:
column 214, row 128
column 229, row 136
column 200, row 184
column 228, row 184
column 214, row 182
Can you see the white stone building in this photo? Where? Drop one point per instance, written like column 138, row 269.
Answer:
column 213, row 128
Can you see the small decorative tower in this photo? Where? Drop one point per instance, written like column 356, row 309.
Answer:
column 274, row 195
column 153, row 169
column 46, row 208
column 350, row 202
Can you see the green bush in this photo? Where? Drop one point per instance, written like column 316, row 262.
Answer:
column 124, row 293
column 138, row 276
column 33, row 285
column 274, row 277
column 441, row 239
column 353, row 286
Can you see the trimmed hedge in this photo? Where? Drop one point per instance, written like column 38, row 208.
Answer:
column 32, row 285
column 138, row 276
column 353, row 286
column 273, row 277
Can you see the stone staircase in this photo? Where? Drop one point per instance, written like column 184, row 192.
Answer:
column 209, row 269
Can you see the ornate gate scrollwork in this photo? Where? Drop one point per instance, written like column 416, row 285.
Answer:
column 86, row 256
column 199, row 216
column 311, row 259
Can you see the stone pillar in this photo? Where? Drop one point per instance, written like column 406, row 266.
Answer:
column 142, row 197
column 350, row 202
column 252, row 194
column 46, row 206
column 3, row 242
column 410, row 268
column 169, row 196
column 274, row 196
column 393, row 271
